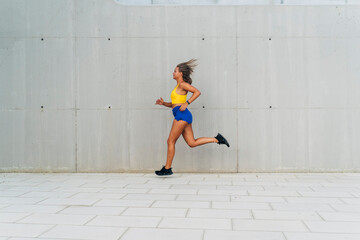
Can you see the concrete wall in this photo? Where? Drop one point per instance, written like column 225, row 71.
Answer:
column 281, row 82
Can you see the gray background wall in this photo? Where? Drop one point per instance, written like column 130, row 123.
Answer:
column 280, row 81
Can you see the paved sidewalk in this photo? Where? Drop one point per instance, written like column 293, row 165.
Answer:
column 263, row 206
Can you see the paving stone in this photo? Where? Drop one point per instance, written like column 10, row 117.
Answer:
column 162, row 234
column 127, row 206
column 321, row 236
column 68, row 201
column 31, row 208
column 336, row 216
column 346, row 207
column 313, row 200
column 219, row 213
column 20, row 200
column 98, row 195
column 181, row 204
column 84, row 232
column 286, row 215
column 203, row 198
column 92, row 210
column 11, row 217
column 273, row 193
column 133, row 196
column 124, row 221
column 195, row 223
column 334, row 227
column 241, row 205
column 262, row 199
column 124, row 190
column 60, row 219
column 236, row 235
column 124, row 203
column 170, row 212
column 302, row 207
column 22, row 230
column 269, row 225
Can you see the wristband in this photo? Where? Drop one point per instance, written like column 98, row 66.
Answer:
column 187, row 102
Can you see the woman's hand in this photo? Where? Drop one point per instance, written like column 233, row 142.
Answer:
column 160, row 101
column 184, row 106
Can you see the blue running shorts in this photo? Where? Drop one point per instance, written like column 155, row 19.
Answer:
column 182, row 115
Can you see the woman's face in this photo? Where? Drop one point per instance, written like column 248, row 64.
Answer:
column 176, row 73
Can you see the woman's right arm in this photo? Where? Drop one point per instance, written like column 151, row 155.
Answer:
column 160, row 101
column 167, row 104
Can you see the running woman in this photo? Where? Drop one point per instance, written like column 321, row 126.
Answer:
column 183, row 117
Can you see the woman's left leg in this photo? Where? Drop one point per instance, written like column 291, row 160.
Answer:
column 175, row 132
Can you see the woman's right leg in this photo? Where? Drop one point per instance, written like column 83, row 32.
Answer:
column 188, row 135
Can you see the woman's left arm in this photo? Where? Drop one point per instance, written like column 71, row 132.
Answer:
column 195, row 95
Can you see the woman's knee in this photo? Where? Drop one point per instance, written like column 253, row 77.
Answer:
column 171, row 141
column 192, row 144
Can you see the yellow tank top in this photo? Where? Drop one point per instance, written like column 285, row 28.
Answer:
column 177, row 98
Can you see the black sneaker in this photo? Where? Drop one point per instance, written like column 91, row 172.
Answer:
column 222, row 140
column 164, row 172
